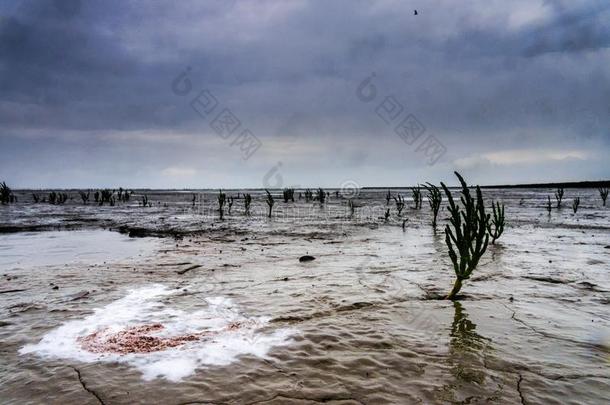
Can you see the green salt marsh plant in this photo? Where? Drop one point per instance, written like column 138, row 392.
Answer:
column 36, row 198
column 123, row 195
column 549, row 207
column 495, row 224
column 222, row 200
column 308, row 195
column 559, row 196
column 575, row 204
column 84, row 196
column 270, row 202
column 434, row 198
column 466, row 234
column 5, row 194
column 146, row 201
column 57, row 198
column 247, row 202
column 106, row 196
column 388, row 197
column 288, row 194
column 417, row 196
column 400, row 203
column 386, row 216
column 603, row 193
column 321, row 195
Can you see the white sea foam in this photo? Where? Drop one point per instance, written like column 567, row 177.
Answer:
column 144, row 306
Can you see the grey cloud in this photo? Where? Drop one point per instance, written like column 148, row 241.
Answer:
column 289, row 71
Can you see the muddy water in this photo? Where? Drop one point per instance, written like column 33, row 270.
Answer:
column 360, row 324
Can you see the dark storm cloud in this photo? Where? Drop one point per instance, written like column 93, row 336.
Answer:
column 93, row 80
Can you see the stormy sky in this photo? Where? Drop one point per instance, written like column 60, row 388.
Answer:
column 177, row 94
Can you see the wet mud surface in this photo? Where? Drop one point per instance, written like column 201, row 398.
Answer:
column 191, row 309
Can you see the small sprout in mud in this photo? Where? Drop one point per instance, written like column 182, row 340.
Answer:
column 230, row 203
column 495, row 225
column 122, row 195
column 84, row 196
column 575, row 204
column 36, row 198
column 417, row 196
column 222, row 200
column 603, row 193
column 400, row 204
column 386, row 216
column 106, row 196
column 321, row 195
column 247, row 202
column 549, row 207
column 559, row 196
column 270, row 201
column 145, row 202
column 57, row 198
column 6, row 195
column 466, row 232
column 308, row 195
column 434, row 198
column 388, row 197
column 288, row 194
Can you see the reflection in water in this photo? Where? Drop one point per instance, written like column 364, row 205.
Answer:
column 466, row 357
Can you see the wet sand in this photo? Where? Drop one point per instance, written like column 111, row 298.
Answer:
column 361, row 324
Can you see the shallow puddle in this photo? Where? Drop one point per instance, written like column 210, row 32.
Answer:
column 33, row 249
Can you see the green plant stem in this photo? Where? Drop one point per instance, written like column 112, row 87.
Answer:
column 455, row 290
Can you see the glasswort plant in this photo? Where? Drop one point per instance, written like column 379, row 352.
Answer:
column 247, row 202
column 222, row 199
column 417, row 196
column 270, row 201
column 559, row 196
column 575, row 204
column 400, row 204
column 603, row 193
column 466, row 232
column 495, row 225
column 434, row 198
column 5, row 194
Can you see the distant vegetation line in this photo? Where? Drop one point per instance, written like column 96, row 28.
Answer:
column 572, row 184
